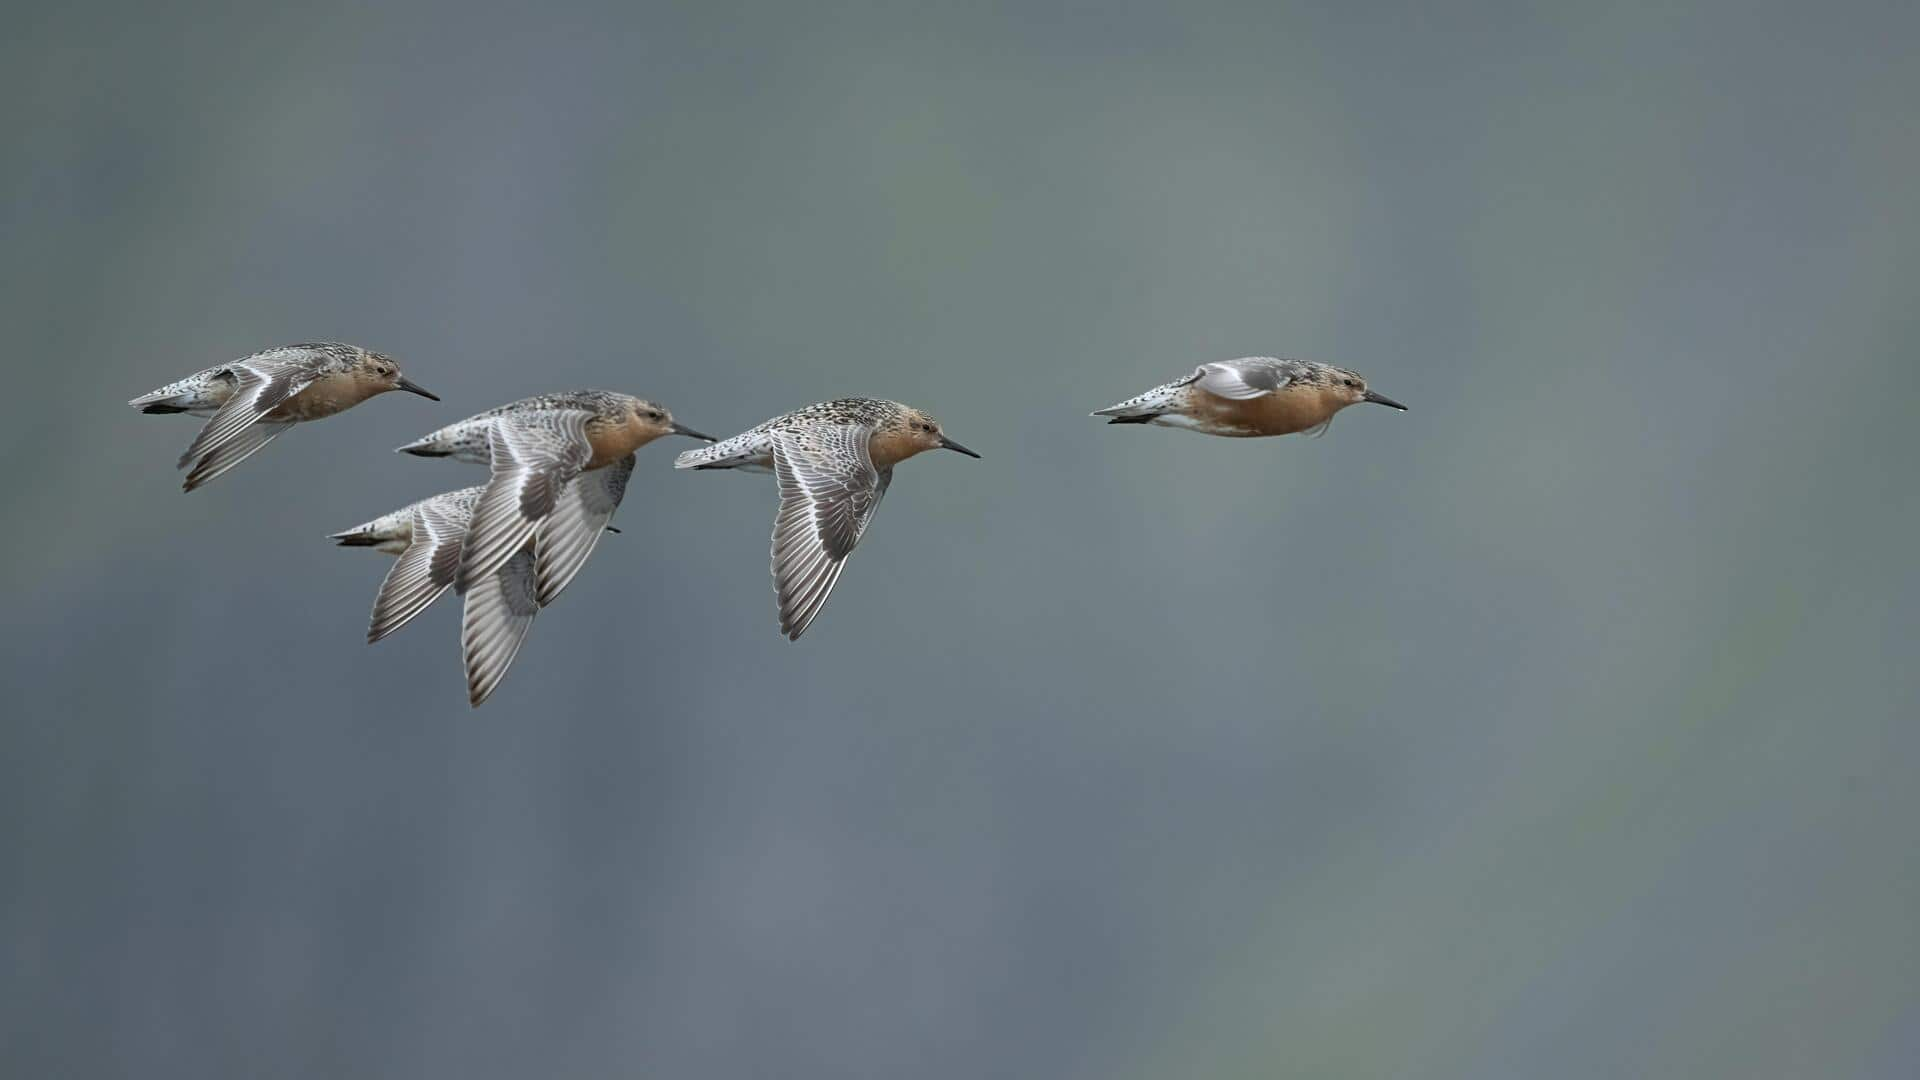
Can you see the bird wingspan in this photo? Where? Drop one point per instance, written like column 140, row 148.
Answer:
column 261, row 385
column 422, row 572
column 567, row 535
column 245, row 443
column 534, row 454
column 494, row 623
column 829, row 489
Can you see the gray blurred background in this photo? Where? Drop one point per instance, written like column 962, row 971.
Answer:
column 1562, row 726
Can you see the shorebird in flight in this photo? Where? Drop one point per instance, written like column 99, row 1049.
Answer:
column 1252, row 396
column 252, row 400
column 833, row 462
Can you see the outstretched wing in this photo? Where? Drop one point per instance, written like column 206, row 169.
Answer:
column 499, row 612
column 567, row 535
column 245, row 443
column 1239, row 380
column 535, row 455
column 422, row 572
column 829, row 490
column 261, row 384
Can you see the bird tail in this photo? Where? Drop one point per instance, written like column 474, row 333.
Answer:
column 354, row 539
column 464, row 441
column 195, row 393
column 1144, row 408
column 158, row 401
column 1133, row 411
column 432, row 444
column 391, row 531
column 738, row 452
column 700, row 457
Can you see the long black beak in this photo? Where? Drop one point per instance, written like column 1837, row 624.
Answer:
column 949, row 444
column 1382, row 399
column 682, row 429
column 412, row 387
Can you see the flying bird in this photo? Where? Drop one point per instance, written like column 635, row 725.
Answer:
column 833, row 462
column 560, row 464
column 426, row 536
column 251, row 401
column 1252, row 396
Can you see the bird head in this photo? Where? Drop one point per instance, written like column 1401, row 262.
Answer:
column 384, row 372
column 654, row 420
column 923, row 432
column 1352, row 389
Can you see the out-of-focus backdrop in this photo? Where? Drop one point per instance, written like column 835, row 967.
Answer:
column 1562, row 726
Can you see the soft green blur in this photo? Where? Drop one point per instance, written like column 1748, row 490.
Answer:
column 1563, row 726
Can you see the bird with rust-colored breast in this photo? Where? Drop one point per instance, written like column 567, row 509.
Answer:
column 833, row 462
column 253, row 400
column 1250, row 397
column 560, row 465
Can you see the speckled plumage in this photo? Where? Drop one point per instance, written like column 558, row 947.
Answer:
column 391, row 533
column 426, row 535
column 203, row 392
column 466, row 440
column 560, row 464
column 833, row 461
column 1251, row 396
column 752, row 449
column 253, row 400
column 498, row 612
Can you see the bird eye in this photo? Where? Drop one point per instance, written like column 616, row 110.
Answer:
column 1353, row 382
column 653, row 414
